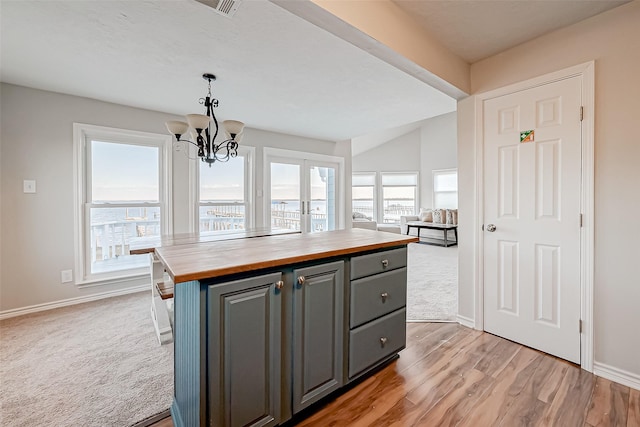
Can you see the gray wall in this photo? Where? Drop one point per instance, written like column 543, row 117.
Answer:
column 37, row 229
column 612, row 39
column 433, row 146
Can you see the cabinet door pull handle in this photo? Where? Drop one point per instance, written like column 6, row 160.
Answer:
column 279, row 285
column 385, row 263
column 383, row 341
column 384, row 296
column 301, row 280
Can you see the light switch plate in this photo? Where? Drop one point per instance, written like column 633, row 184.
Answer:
column 29, row 186
column 66, row 276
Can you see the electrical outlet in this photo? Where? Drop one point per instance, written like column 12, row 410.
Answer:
column 66, row 276
column 29, row 186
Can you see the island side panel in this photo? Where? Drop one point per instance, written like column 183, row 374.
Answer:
column 189, row 406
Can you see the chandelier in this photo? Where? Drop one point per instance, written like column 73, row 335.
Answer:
column 203, row 128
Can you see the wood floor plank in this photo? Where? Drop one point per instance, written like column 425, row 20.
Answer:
column 554, row 379
column 569, row 406
column 633, row 418
column 451, row 375
column 506, row 388
column 434, row 387
column 493, row 363
column 609, row 404
column 527, row 409
column 457, row 403
column 424, row 342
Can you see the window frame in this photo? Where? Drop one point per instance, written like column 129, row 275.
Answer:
column 436, row 172
column 83, row 134
column 381, row 192
column 248, row 152
column 374, row 214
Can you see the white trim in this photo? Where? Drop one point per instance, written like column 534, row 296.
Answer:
column 70, row 301
column 466, row 321
column 81, row 133
column 274, row 154
column 617, row 375
column 374, row 214
column 417, row 204
column 586, row 72
column 249, row 154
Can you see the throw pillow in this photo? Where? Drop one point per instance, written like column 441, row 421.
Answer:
column 452, row 216
column 439, row 216
column 425, row 215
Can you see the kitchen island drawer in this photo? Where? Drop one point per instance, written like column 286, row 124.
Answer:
column 375, row 341
column 379, row 262
column 375, row 296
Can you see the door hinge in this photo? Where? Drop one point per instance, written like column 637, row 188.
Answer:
column 580, row 325
column 581, row 113
column 580, row 220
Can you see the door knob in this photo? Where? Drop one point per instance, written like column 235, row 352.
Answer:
column 491, row 228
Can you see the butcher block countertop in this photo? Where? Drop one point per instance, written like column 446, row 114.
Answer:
column 204, row 260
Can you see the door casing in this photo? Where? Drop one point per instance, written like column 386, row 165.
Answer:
column 586, row 70
column 271, row 154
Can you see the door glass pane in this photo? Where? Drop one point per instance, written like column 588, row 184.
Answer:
column 323, row 198
column 285, row 196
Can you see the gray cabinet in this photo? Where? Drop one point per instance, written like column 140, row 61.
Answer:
column 256, row 350
column 244, row 344
column 318, row 331
column 377, row 314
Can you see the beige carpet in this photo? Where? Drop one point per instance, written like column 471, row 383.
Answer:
column 93, row 364
column 432, row 292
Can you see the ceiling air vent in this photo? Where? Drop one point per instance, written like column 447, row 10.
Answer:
column 227, row 8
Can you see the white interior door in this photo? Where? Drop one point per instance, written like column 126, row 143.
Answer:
column 303, row 194
column 532, row 217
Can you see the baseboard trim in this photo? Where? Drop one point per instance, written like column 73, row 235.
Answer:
column 466, row 321
column 620, row 376
column 71, row 301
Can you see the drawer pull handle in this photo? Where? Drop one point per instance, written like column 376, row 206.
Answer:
column 384, row 296
column 279, row 285
column 383, row 341
column 301, row 280
column 385, row 263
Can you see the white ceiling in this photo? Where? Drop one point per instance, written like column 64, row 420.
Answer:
column 275, row 71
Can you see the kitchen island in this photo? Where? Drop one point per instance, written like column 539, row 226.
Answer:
column 265, row 327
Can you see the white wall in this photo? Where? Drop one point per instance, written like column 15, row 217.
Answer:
column 438, row 150
column 431, row 147
column 37, row 229
column 612, row 39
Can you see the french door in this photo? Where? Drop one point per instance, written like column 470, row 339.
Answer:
column 302, row 194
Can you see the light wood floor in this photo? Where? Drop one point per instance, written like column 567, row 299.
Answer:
column 451, row 375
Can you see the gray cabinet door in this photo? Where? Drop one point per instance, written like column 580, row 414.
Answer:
column 244, row 344
column 318, row 331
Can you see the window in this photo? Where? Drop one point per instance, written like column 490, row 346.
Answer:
column 399, row 195
column 224, row 196
column 122, row 199
column 363, row 193
column 445, row 189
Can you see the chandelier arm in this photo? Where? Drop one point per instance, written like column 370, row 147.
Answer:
column 186, row 140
